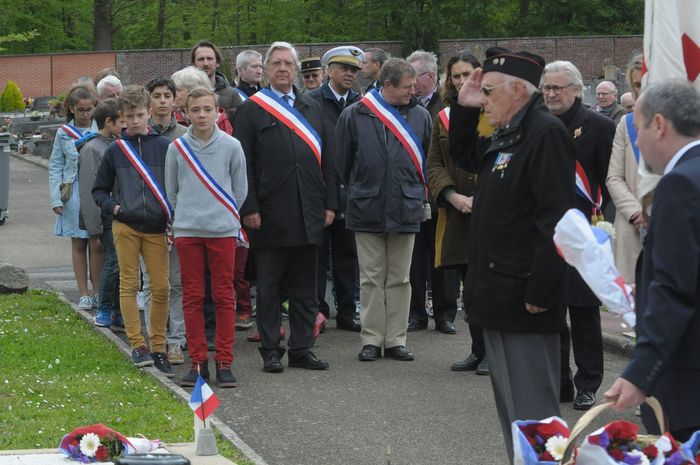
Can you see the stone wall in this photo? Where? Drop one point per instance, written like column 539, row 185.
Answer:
column 51, row 74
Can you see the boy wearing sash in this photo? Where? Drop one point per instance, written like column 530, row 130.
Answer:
column 380, row 144
column 129, row 185
column 205, row 178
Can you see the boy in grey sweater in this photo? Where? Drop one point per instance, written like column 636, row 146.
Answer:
column 205, row 180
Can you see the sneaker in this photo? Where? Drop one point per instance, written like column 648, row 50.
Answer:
column 85, row 303
column 244, row 322
column 141, row 357
column 103, row 318
column 224, row 376
column 175, row 354
column 118, row 323
column 190, row 379
column 160, row 360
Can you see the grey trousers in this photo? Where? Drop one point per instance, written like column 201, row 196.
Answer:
column 525, row 377
column 385, row 289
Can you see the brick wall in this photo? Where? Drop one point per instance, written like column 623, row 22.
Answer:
column 38, row 75
column 52, row 74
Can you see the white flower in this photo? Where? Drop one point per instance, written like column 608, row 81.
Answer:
column 639, row 453
column 606, row 227
column 89, row 444
column 556, row 445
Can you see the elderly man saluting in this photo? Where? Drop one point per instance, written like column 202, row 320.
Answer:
column 516, row 279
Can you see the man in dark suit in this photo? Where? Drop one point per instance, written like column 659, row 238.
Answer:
column 515, row 281
column 666, row 359
column 373, row 60
column 291, row 197
column 592, row 135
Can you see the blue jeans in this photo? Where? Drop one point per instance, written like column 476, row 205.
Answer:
column 109, row 279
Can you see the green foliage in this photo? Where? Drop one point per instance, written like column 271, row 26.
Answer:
column 66, row 24
column 11, row 98
column 18, row 37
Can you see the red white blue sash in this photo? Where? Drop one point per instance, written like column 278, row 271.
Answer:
column 583, row 189
column 291, row 118
column 147, row 176
column 398, row 126
column 203, row 175
column 72, row 131
column 445, row 117
column 242, row 94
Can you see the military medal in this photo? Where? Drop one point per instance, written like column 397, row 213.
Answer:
column 501, row 162
column 578, row 132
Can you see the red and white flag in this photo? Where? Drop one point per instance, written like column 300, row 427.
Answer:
column 672, row 40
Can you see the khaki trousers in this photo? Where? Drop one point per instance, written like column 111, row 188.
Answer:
column 130, row 245
column 385, row 289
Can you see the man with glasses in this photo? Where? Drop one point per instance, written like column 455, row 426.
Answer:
column 592, row 135
column 606, row 96
column 515, row 281
column 311, row 73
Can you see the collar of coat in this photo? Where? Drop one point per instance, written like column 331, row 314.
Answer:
column 328, row 94
column 512, row 133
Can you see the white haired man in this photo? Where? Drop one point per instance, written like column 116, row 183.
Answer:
column 109, row 87
column 250, row 73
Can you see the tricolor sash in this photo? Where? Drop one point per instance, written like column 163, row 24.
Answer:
column 72, row 131
column 445, row 117
column 583, row 189
column 398, row 126
column 291, row 118
column 632, row 133
column 242, row 94
column 148, row 177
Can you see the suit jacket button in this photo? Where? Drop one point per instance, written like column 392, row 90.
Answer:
column 491, row 265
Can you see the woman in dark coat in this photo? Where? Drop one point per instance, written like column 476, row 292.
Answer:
column 453, row 189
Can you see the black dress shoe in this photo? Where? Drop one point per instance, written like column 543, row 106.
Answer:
column 271, row 360
column 468, row 364
column 369, row 353
column 446, row 327
column 308, row 361
column 414, row 325
column 584, row 400
column 483, row 368
column 353, row 325
column 399, row 353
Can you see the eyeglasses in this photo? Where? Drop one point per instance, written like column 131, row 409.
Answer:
column 84, row 110
column 308, row 76
column 486, row 91
column 555, row 89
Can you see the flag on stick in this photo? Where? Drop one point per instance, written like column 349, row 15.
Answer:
column 203, row 401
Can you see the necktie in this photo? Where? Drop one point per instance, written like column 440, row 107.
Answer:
column 341, row 101
column 286, row 99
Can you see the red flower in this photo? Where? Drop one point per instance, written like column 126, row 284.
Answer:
column 101, row 454
column 548, row 430
column 617, row 454
column 594, row 439
column 622, row 430
column 546, row 456
column 651, row 451
column 74, row 442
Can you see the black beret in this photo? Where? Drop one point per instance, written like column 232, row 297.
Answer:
column 525, row 65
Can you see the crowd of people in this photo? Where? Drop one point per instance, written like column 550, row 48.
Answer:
column 411, row 194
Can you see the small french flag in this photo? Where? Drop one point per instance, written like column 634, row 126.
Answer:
column 203, row 401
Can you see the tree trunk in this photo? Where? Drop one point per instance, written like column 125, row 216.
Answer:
column 524, row 13
column 161, row 23
column 103, row 29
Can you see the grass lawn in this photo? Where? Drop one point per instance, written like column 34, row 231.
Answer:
column 57, row 373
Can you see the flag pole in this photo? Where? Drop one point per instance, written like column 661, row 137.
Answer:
column 201, row 397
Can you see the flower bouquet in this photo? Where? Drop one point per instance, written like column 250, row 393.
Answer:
column 98, row 443
column 539, row 442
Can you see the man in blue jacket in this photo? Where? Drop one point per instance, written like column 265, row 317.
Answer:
column 666, row 359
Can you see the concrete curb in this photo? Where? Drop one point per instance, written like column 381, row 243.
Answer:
column 618, row 344
column 32, row 159
column 219, row 425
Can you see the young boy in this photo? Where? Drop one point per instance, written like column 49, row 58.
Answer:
column 129, row 185
column 98, row 224
column 162, row 121
column 205, row 178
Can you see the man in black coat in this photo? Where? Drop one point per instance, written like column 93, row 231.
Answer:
column 291, row 198
column 592, row 135
column 666, row 358
column 516, row 279
column 333, row 96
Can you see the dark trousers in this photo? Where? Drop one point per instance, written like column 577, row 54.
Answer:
column 587, row 342
column 298, row 265
column 475, row 332
column 345, row 270
column 445, row 282
column 109, row 278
